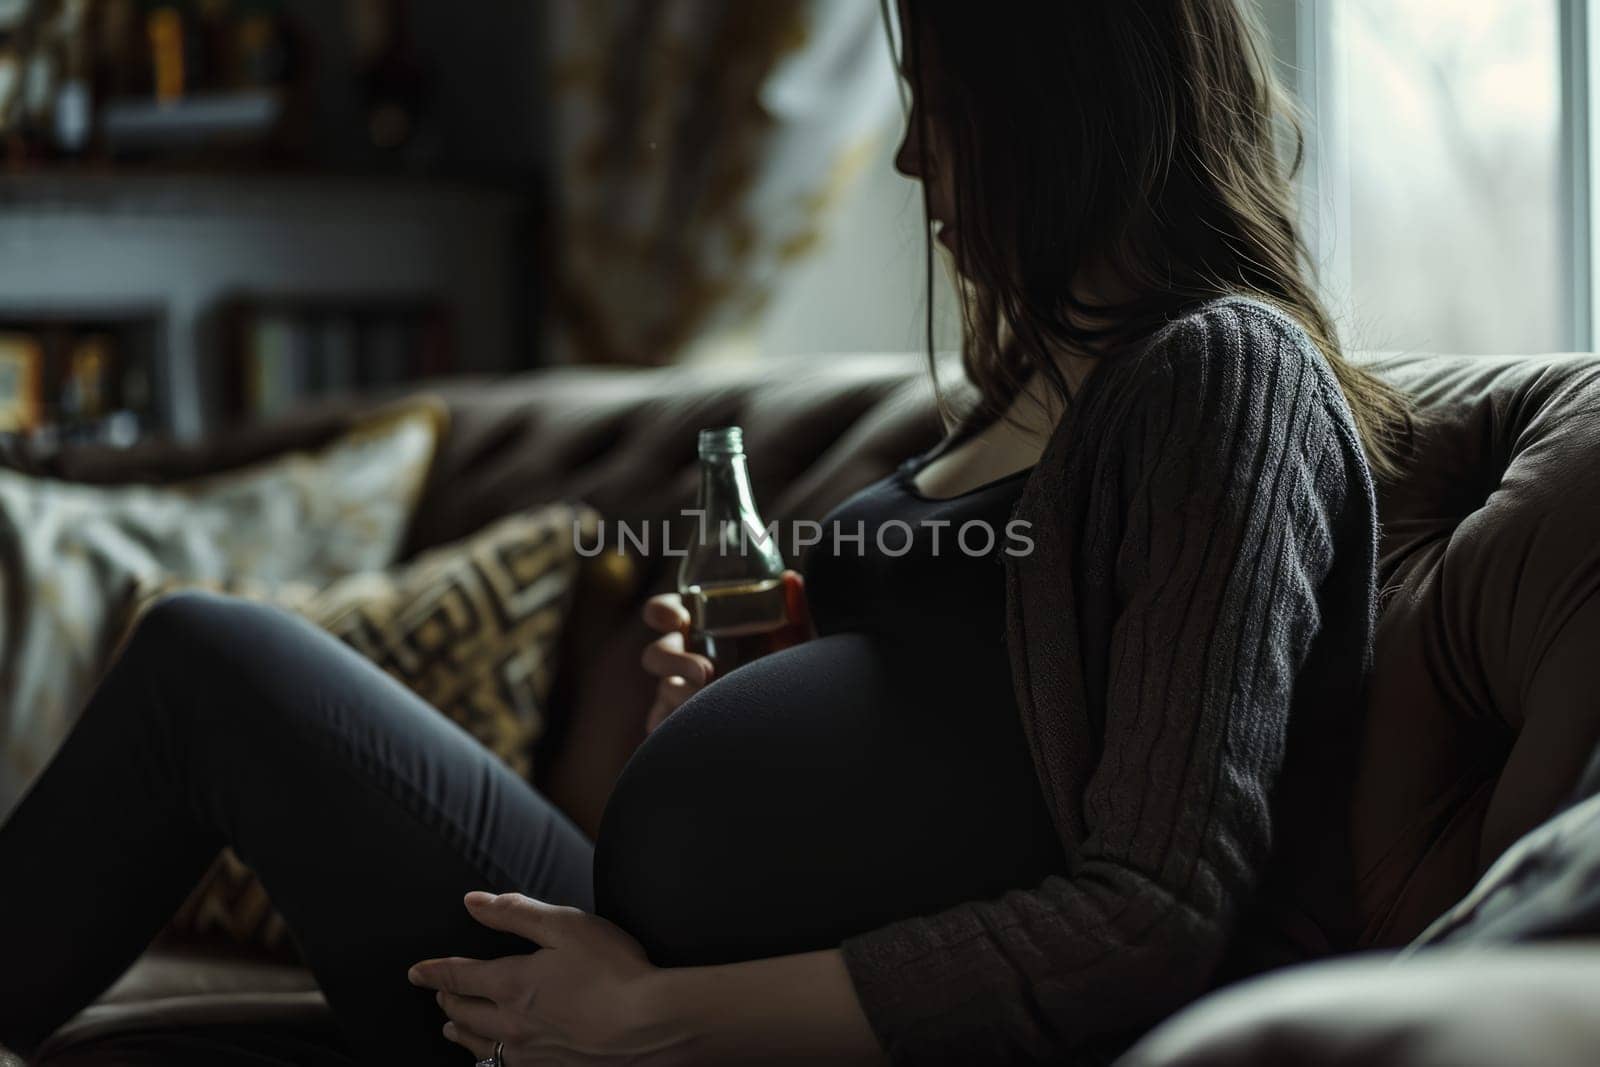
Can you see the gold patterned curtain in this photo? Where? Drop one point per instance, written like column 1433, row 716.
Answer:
column 699, row 145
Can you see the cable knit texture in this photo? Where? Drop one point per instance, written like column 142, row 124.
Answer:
column 1189, row 642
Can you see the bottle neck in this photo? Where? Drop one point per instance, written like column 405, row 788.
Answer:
column 731, row 544
column 725, row 493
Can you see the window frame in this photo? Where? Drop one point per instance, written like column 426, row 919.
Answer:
column 1579, row 135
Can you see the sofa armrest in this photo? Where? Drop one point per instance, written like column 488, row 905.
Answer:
column 1440, row 1008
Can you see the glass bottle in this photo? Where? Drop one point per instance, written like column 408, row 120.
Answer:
column 731, row 578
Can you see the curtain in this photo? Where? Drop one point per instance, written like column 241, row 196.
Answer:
column 699, row 147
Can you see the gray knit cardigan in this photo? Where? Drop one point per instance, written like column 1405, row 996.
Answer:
column 1189, row 643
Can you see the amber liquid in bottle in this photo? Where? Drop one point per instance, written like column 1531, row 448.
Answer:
column 732, row 623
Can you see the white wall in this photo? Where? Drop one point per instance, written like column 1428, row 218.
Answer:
column 865, row 288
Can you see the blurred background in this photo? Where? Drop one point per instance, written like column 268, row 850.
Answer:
column 1459, row 220
column 215, row 210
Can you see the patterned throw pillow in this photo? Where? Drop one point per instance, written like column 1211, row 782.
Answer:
column 473, row 628
column 78, row 557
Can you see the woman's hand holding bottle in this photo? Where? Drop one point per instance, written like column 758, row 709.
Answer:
column 680, row 672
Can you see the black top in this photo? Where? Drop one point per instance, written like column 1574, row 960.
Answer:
column 923, row 573
column 923, row 577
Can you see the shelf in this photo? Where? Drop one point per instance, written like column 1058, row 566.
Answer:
column 81, row 373
column 123, row 191
column 281, row 349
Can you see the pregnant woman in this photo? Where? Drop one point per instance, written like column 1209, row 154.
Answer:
column 1004, row 807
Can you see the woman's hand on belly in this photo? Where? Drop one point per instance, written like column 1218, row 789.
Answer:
column 680, row 674
column 588, row 994
column 572, row 999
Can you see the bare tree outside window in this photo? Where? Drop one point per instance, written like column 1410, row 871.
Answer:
column 1457, row 226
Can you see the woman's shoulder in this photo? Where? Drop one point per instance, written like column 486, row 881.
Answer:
column 1227, row 374
column 1230, row 374
column 1235, row 331
column 1229, row 354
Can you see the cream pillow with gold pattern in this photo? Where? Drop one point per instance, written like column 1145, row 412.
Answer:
column 473, row 628
column 76, row 557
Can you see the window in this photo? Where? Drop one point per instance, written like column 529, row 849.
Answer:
column 1446, row 174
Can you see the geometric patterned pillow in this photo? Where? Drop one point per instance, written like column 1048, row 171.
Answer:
column 473, row 628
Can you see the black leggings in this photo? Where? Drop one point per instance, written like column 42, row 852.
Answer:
column 816, row 793
column 366, row 814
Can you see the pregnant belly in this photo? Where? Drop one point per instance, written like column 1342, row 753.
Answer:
column 817, row 793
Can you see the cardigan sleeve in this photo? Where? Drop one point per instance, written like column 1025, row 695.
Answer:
column 1225, row 483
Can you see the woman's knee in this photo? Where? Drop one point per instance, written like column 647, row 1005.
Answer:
column 196, row 647
column 160, row 674
column 259, row 662
column 182, row 623
column 173, row 609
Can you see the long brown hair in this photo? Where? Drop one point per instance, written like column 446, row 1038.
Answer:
column 1135, row 138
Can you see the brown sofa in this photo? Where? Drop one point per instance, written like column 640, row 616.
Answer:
column 1483, row 708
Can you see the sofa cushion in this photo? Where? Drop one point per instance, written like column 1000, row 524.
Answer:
column 176, row 1007
column 1481, row 711
column 1463, row 994
column 623, row 440
column 1533, row 1007
column 1545, row 886
column 77, row 556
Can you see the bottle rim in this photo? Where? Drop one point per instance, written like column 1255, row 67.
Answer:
column 721, row 441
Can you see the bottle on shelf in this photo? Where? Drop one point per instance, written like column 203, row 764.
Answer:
column 732, row 576
column 73, row 110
